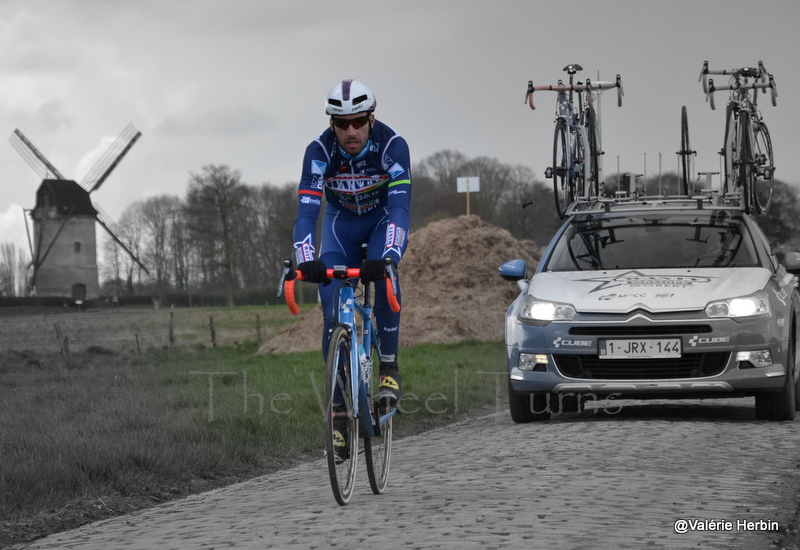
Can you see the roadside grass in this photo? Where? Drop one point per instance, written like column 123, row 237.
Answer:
column 106, row 426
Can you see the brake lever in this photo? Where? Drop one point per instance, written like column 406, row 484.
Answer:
column 287, row 268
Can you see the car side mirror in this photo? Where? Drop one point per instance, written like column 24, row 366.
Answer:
column 515, row 270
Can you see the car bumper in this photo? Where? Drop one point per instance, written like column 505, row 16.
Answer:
column 564, row 358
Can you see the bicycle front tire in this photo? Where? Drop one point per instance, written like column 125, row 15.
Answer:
column 341, row 423
column 563, row 183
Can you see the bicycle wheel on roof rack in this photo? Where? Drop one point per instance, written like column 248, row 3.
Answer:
column 563, row 183
column 764, row 167
column 594, row 153
column 686, row 154
column 729, row 152
column 745, row 165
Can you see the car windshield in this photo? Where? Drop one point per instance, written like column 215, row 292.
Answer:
column 653, row 241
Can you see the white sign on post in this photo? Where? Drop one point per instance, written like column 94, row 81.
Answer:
column 468, row 185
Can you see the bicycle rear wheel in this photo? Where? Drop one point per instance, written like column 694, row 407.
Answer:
column 341, row 424
column 594, row 153
column 686, row 153
column 745, row 167
column 378, row 454
column 730, row 153
column 563, row 184
column 764, row 167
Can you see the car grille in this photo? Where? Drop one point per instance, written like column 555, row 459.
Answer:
column 691, row 365
column 640, row 330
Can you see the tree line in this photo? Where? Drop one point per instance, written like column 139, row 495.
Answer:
column 226, row 236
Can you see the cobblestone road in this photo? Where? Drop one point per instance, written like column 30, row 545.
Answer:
column 591, row 480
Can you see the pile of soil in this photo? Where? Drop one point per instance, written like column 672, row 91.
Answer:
column 452, row 290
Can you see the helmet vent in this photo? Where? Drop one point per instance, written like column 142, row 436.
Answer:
column 360, row 99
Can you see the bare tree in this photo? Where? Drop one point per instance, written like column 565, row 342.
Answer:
column 215, row 203
column 8, row 269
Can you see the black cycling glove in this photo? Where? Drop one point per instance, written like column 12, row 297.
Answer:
column 373, row 270
column 314, row 272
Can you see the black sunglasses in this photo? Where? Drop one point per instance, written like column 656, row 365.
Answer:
column 345, row 123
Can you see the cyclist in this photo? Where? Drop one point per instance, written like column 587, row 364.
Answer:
column 362, row 167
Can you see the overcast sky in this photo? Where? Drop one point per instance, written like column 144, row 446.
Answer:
column 243, row 82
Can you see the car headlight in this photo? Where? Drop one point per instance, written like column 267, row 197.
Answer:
column 755, row 305
column 541, row 312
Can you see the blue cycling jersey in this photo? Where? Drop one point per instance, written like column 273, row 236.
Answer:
column 376, row 181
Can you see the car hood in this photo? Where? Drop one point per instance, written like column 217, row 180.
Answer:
column 657, row 290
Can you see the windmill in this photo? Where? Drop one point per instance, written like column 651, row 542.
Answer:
column 64, row 245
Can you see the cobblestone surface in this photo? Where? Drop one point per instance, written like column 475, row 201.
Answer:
column 588, row 480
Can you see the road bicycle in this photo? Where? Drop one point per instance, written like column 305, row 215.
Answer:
column 577, row 170
column 350, row 414
column 747, row 148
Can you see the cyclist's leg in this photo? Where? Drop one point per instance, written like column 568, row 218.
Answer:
column 342, row 236
column 387, row 322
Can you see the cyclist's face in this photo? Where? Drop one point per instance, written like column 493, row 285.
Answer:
column 352, row 131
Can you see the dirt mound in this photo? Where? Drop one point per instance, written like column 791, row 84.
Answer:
column 451, row 287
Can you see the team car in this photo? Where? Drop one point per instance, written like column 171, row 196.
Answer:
column 659, row 298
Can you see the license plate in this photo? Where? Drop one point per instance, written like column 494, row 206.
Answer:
column 640, row 348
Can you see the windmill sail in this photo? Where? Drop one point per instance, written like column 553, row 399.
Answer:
column 101, row 170
column 105, row 220
column 33, row 157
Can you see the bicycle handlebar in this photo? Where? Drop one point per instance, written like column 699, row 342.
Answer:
column 759, row 74
column 337, row 273
column 739, row 86
column 579, row 87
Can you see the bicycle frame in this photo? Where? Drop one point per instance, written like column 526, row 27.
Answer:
column 351, row 311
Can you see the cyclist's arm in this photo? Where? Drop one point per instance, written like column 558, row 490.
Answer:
column 309, row 202
column 397, row 162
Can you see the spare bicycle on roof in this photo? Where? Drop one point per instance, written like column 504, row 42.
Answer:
column 577, row 169
column 747, row 148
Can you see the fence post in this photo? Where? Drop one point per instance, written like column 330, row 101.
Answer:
column 171, row 335
column 213, row 333
column 63, row 341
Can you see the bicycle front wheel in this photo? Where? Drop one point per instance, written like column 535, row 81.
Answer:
column 764, row 167
column 563, row 184
column 341, row 424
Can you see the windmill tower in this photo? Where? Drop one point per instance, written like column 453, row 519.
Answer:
column 64, row 245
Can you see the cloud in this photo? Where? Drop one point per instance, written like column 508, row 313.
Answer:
column 239, row 120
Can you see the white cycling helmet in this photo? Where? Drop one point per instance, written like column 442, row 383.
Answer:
column 348, row 98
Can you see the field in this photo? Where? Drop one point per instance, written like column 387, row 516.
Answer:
column 119, row 418
column 137, row 328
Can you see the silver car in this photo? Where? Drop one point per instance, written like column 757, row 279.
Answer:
column 654, row 299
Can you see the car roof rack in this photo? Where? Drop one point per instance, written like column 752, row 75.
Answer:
column 623, row 201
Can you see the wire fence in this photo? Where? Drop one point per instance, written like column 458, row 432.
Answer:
column 136, row 330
